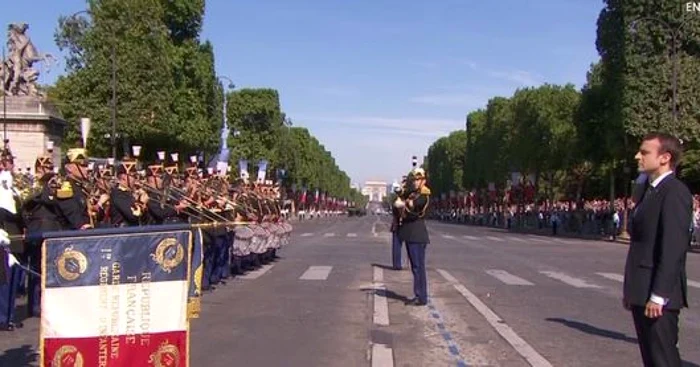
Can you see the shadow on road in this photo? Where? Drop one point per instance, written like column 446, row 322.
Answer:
column 386, row 294
column 22, row 356
column 590, row 329
column 382, row 266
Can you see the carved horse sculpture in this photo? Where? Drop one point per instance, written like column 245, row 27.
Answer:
column 17, row 72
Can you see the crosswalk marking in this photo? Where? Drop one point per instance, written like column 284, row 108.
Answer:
column 447, row 236
column 621, row 278
column 507, row 277
column 307, row 234
column 613, row 276
column 329, row 234
column 470, row 237
column 316, row 273
column 497, row 239
column 256, row 273
column 352, row 234
column 574, row 282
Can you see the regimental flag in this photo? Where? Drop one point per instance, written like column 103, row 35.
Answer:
column 194, row 295
column 116, row 297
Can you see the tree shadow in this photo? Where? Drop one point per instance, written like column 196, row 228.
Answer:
column 22, row 356
column 590, row 329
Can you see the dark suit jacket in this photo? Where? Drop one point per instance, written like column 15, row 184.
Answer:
column 660, row 238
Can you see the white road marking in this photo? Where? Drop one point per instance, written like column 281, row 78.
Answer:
column 316, row 273
column 352, row 234
column 621, row 278
column 507, row 277
column 447, row 236
column 329, row 234
column 382, row 356
column 471, row 237
column 381, row 305
column 497, row 239
column 520, row 345
column 560, row 240
column 518, row 239
column 613, row 276
column 574, row 282
column 307, row 234
column 257, row 273
column 534, row 238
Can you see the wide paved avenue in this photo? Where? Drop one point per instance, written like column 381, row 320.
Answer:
column 497, row 299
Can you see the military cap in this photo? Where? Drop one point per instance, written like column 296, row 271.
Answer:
column 76, row 155
column 44, row 161
column 418, row 173
column 127, row 167
column 6, row 153
column 155, row 170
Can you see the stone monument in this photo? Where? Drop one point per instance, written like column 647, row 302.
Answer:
column 29, row 121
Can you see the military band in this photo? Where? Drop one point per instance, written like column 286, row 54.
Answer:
column 85, row 194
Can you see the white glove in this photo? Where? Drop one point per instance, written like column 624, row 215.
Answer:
column 12, row 260
column 4, row 238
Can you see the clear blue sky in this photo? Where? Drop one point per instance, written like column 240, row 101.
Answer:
column 378, row 81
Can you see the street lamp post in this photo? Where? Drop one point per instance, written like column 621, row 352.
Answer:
column 675, row 34
column 231, row 85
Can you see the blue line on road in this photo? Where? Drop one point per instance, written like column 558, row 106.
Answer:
column 451, row 345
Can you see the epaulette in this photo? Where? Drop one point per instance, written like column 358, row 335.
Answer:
column 425, row 190
column 65, row 191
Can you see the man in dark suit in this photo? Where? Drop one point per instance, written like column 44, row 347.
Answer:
column 655, row 286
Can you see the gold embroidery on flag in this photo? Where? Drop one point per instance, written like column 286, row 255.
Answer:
column 67, row 355
column 167, row 355
column 169, row 254
column 71, row 264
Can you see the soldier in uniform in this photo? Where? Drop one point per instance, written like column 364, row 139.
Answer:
column 124, row 210
column 41, row 214
column 412, row 230
column 161, row 209
column 74, row 203
column 11, row 222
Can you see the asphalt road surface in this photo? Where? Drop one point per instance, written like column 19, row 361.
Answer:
column 496, row 299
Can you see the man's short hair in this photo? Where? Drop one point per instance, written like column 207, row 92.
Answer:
column 667, row 144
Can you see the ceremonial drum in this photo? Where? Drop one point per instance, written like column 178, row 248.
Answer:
column 259, row 245
column 286, row 233
column 243, row 241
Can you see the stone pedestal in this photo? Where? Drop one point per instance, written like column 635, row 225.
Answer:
column 30, row 122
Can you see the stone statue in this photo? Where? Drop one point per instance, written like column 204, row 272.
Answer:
column 17, row 72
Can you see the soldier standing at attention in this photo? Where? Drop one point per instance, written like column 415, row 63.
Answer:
column 412, row 230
